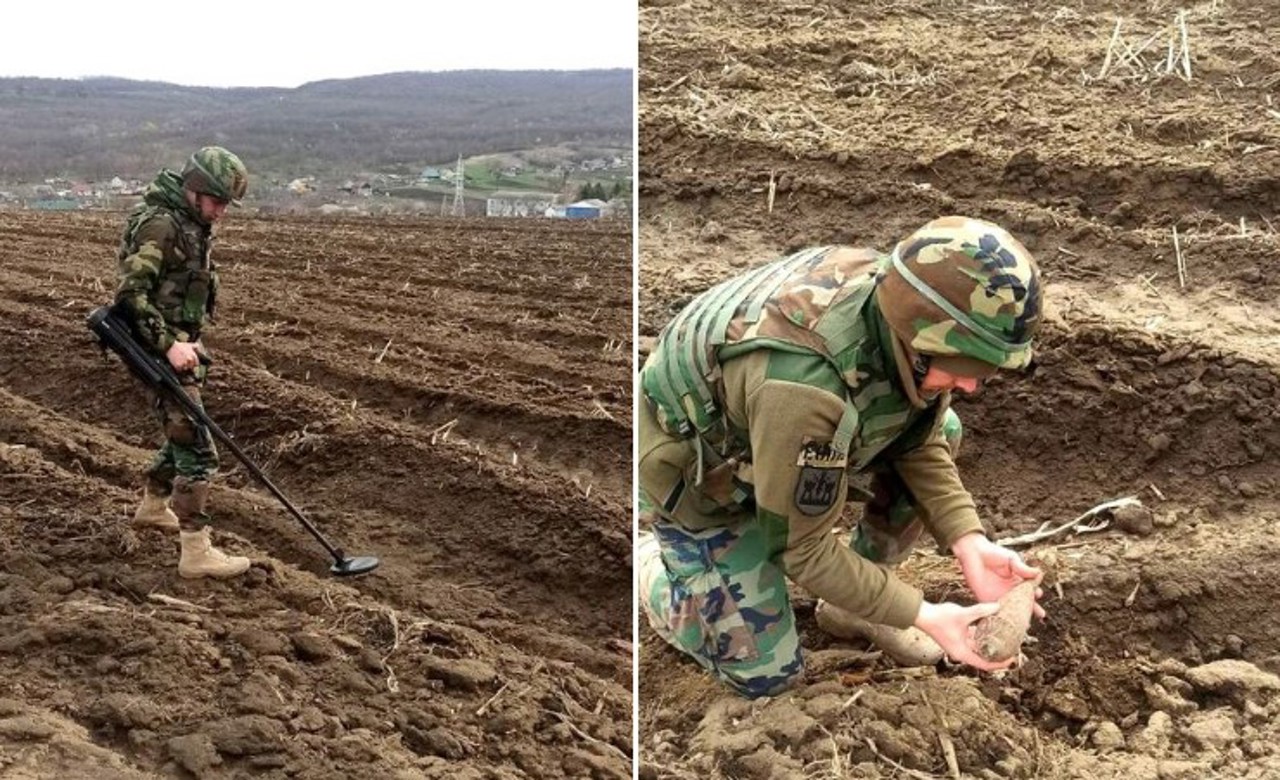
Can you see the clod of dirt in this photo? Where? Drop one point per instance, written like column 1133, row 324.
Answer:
column 465, row 673
column 310, row 719
column 354, row 681
column 1161, row 699
column 249, row 735
column 722, row 734
column 711, row 233
column 1232, row 677
column 1107, row 737
column 259, row 642
column 438, row 741
column 1211, row 730
column 766, row 764
column 786, row 724
column 259, row 695
column 26, row 639
column 59, row 585
column 313, row 647
column 194, row 753
column 1135, row 519
column 25, row 728
column 1154, row 738
column 36, row 743
column 18, row 598
column 515, row 719
column 369, row 660
column 740, row 76
column 1068, row 705
column 126, row 711
column 580, row 763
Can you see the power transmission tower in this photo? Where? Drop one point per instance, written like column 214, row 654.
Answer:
column 459, row 205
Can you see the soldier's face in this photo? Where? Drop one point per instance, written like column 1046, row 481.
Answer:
column 936, row 380
column 211, row 208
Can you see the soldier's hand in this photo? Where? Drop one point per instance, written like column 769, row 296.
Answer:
column 951, row 626
column 182, row 356
column 991, row 570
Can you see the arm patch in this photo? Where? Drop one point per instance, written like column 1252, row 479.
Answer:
column 818, row 486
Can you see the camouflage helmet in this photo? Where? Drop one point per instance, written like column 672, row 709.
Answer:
column 965, row 287
column 217, row 172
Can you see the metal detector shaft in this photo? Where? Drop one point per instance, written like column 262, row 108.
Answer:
column 195, row 411
column 115, row 334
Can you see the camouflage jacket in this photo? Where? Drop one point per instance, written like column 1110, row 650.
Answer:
column 785, row 381
column 167, row 282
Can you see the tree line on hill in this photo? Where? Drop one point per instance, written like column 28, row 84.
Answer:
column 598, row 191
column 102, row 127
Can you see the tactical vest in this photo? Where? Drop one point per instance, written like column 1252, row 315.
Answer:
column 187, row 291
column 815, row 302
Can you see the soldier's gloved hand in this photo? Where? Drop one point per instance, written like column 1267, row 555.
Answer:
column 991, row 570
column 951, row 626
column 182, row 356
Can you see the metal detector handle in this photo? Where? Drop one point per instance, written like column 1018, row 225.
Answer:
column 115, row 335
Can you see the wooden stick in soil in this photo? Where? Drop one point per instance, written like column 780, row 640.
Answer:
column 1182, row 267
column 1186, row 48
column 999, row 637
column 1106, row 61
column 1045, row 533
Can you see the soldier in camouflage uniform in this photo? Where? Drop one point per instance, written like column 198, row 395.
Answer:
column 167, row 291
column 765, row 401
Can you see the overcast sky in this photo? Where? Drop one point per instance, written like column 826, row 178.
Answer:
column 271, row 43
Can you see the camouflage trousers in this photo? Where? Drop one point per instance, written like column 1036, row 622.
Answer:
column 717, row 595
column 188, row 451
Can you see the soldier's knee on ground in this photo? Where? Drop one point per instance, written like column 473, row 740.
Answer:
column 756, row 683
column 651, row 574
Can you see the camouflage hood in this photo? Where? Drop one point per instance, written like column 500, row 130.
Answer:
column 964, row 287
column 166, row 192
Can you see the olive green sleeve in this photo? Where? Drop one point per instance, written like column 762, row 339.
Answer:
column 947, row 509
column 140, row 274
column 783, row 416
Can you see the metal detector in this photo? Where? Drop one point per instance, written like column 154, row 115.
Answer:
column 113, row 333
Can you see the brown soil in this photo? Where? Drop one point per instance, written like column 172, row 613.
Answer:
column 452, row 396
column 1159, row 654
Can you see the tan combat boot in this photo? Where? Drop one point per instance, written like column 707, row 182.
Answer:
column 907, row 646
column 201, row 559
column 154, row 512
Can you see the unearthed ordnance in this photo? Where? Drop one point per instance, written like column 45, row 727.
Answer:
column 999, row 636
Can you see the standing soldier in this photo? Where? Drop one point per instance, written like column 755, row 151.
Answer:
column 769, row 391
column 168, row 286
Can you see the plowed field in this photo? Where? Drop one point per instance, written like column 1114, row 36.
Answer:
column 767, row 127
column 452, row 396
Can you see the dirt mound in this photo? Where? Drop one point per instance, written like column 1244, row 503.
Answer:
column 767, row 128
column 450, row 395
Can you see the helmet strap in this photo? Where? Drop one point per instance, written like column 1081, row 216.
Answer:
column 906, row 371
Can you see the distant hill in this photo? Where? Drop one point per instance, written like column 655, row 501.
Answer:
column 395, row 123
